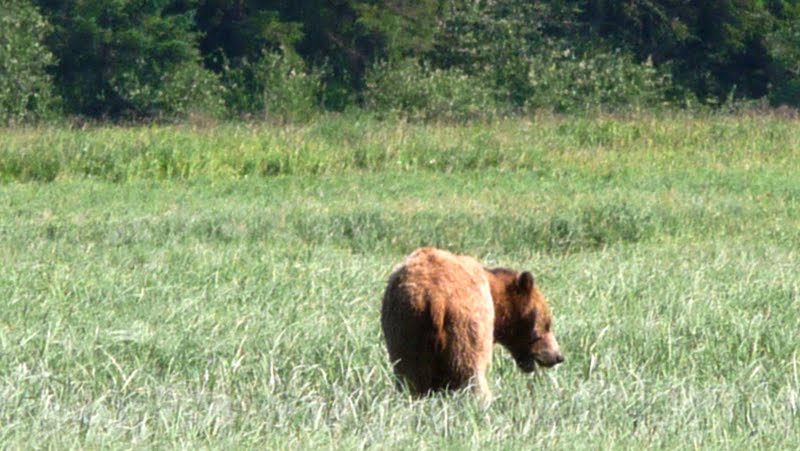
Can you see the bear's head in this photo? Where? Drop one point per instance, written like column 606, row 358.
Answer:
column 523, row 323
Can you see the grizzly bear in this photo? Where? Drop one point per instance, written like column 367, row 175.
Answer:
column 442, row 313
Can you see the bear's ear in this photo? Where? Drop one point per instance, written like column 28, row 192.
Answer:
column 525, row 282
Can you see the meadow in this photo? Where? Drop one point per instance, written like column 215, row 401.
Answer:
column 219, row 286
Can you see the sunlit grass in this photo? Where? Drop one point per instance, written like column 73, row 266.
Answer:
column 224, row 311
column 595, row 147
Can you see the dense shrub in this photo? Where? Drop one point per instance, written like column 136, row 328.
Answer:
column 26, row 90
column 419, row 91
column 530, row 57
column 563, row 81
column 130, row 59
column 784, row 48
column 184, row 89
column 277, row 85
column 494, row 41
column 189, row 88
column 451, row 59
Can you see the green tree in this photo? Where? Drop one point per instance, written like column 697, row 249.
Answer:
column 783, row 44
column 342, row 38
column 129, row 58
column 242, row 30
column 278, row 85
column 714, row 47
column 25, row 87
column 499, row 40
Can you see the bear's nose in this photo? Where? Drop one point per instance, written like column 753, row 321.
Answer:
column 559, row 358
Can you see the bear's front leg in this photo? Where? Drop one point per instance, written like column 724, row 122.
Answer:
column 480, row 387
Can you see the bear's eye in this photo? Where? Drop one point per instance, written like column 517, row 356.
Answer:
column 534, row 337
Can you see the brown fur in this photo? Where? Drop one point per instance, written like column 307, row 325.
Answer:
column 442, row 313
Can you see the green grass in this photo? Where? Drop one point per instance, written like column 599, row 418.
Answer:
column 146, row 306
column 596, row 148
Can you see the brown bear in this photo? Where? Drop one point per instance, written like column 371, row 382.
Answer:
column 442, row 313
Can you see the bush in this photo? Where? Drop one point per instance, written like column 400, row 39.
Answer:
column 185, row 89
column 26, row 90
column 784, row 49
column 278, row 85
column 418, row 91
column 189, row 88
column 493, row 40
column 563, row 81
column 125, row 59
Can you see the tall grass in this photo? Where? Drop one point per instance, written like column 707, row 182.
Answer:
column 600, row 146
column 224, row 311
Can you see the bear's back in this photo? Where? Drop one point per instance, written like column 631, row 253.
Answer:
column 437, row 315
column 434, row 278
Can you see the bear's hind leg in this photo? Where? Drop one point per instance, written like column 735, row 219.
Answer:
column 480, row 387
column 415, row 374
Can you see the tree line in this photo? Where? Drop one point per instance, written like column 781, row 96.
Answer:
column 139, row 59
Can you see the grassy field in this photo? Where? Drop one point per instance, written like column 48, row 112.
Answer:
column 220, row 287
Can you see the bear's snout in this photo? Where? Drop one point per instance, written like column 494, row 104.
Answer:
column 550, row 359
column 547, row 352
column 528, row 364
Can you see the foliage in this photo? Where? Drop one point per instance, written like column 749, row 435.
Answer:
column 784, row 47
column 564, row 81
column 235, row 31
column 714, row 47
column 276, row 85
column 343, row 37
column 123, row 58
column 417, row 90
column 165, row 58
column 406, row 28
column 188, row 89
column 26, row 89
column 494, row 41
